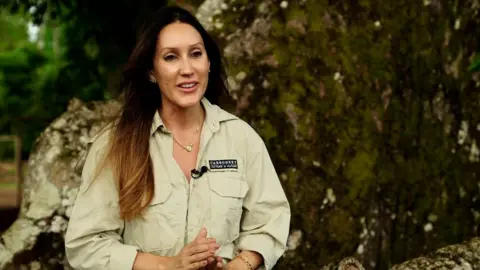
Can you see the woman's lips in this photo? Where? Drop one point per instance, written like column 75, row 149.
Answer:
column 188, row 87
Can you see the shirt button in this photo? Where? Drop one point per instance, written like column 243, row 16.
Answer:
column 190, row 229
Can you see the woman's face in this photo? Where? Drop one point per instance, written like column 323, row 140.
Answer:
column 181, row 65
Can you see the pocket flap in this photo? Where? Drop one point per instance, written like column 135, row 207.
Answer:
column 227, row 184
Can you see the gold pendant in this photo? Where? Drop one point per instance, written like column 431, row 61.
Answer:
column 189, row 147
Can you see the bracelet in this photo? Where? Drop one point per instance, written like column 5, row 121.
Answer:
column 245, row 261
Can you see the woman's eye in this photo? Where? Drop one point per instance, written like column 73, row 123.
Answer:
column 170, row 57
column 197, row 54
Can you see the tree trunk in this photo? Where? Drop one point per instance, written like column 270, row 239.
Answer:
column 19, row 168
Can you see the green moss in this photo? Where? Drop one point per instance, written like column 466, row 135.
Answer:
column 367, row 132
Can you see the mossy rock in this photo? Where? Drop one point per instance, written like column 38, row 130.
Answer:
column 367, row 102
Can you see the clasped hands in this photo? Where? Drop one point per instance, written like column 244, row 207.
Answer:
column 197, row 255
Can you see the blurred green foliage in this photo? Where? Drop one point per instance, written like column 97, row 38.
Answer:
column 475, row 67
column 79, row 52
column 20, row 69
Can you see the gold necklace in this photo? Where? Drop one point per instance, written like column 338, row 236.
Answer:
column 188, row 147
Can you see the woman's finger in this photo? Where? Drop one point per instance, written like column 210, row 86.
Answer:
column 200, row 256
column 199, row 242
column 197, row 249
column 196, row 265
column 219, row 263
column 187, row 247
column 204, row 241
column 202, row 234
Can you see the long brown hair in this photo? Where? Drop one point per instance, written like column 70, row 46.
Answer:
column 128, row 152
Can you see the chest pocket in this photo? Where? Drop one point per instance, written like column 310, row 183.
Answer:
column 227, row 191
column 153, row 232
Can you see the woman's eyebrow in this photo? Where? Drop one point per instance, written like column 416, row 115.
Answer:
column 173, row 48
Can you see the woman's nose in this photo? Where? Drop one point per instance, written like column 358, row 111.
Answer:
column 186, row 68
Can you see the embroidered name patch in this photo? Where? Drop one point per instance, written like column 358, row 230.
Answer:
column 223, row 164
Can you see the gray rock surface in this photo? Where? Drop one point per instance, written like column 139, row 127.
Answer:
column 51, row 185
column 464, row 256
column 207, row 10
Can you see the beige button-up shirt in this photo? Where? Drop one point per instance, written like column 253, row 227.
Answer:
column 239, row 200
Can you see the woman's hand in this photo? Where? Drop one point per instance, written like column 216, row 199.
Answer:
column 195, row 255
column 217, row 264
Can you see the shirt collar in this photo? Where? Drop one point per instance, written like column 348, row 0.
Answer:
column 214, row 116
column 156, row 123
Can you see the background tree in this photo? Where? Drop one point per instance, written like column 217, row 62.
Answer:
column 369, row 109
column 371, row 114
column 79, row 53
column 20, row 69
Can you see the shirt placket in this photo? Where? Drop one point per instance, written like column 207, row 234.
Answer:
column 193, row 221
column 177, row 175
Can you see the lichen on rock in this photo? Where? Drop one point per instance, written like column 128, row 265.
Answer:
column 463, row 256
column 368, row 111
column 51, row 186
column 361, row 117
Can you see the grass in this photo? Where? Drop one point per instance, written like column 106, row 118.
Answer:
column 8, row 186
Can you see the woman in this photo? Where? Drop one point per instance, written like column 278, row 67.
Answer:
column 177, row 182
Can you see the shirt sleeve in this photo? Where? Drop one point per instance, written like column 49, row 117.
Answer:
column 266, row 217
column 93, row 238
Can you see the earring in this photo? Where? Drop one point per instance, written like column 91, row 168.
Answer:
column 152, row 80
